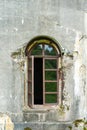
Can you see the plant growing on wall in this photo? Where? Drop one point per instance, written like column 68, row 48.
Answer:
column 79, row 124
column 27, row 128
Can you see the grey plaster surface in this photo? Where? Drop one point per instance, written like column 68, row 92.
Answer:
column 20, row 21
column 42, row 126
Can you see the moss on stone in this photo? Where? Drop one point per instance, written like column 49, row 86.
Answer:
column 27, row 128
column 70, row 127
column 85, row 128
column 77, row 122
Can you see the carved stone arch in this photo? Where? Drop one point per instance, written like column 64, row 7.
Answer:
column 41, row 39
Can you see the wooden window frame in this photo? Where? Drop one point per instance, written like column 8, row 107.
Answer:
column 58, row 80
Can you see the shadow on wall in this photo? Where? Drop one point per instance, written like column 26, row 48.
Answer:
column 27, row 128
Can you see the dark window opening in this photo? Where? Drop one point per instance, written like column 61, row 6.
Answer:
column 38, row 81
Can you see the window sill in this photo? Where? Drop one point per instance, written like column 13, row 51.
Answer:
column 39, row 108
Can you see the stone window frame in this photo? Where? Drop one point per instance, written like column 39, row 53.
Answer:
column 20, row 57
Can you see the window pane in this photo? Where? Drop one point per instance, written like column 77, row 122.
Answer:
column 50, row 64
column 49, row 50
column 50, row 75
column 37, row 50
column 51, row 98
column 51, row 87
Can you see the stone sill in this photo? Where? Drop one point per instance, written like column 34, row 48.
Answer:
column 45, row 122
column 39, row 108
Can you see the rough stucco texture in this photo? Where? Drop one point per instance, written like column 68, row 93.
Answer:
column 21, row 20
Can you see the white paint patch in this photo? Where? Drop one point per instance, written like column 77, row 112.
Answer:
column 77, row 66
column 77, row 37
column 22, row 21
column 85, row 22
column 10, row 96
column 61, row 26
column 76, row 78
column 1, row 97
column 1, row 18
column 16, row 29
column 67, row 30
column 15, row 97
column 15, row 60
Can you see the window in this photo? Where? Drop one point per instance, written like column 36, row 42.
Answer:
column 44, row 82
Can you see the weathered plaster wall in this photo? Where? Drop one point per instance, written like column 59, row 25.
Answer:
column 80, row 76
column 22, row 20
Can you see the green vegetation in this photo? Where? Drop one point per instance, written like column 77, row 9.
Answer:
column 77, row 122
column 51, row 98
column 70, row 127
column 50, row 87
column 37, row 50
column 80, row 123
column 50, row 75
column 48, row 50
column 50, row 64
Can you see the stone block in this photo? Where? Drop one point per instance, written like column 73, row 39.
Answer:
column 31, row 117
column 42, row 125
column 5, row 122
column 55, row 126
column 31, row 125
